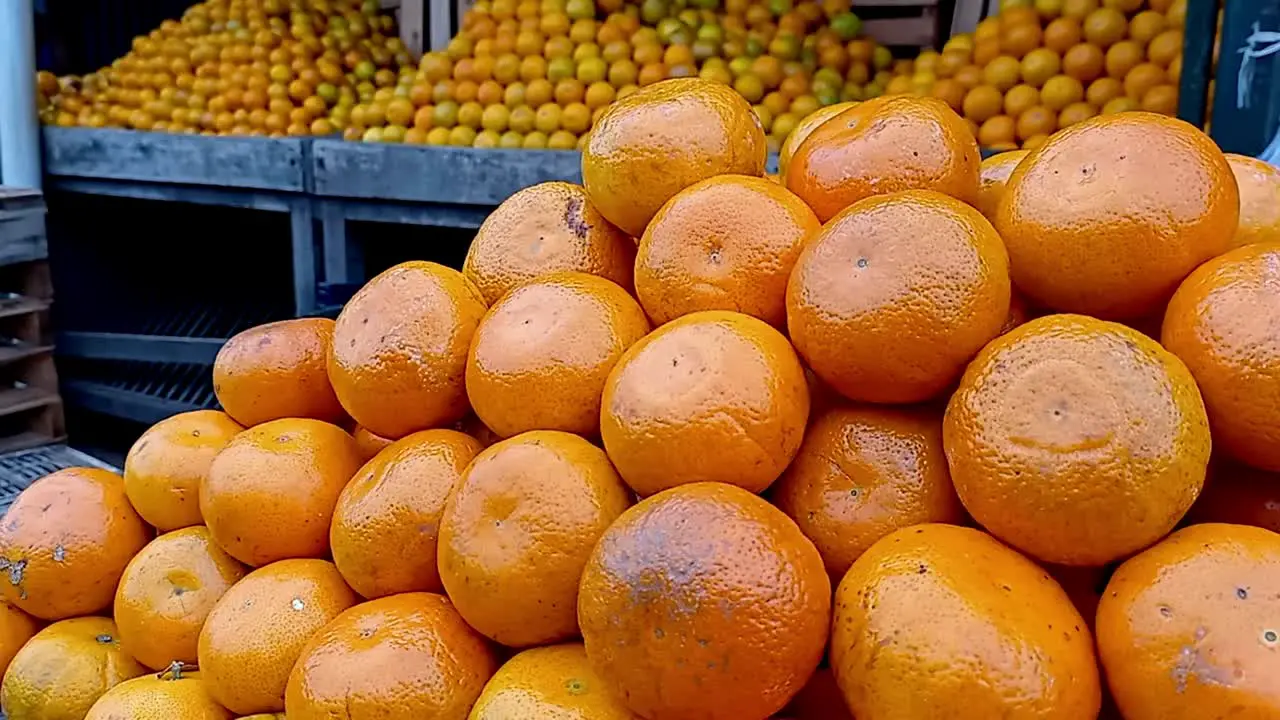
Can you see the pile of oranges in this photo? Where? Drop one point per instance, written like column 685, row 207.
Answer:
column 899, row 434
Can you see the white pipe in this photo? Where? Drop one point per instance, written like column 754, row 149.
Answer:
column 19, row 129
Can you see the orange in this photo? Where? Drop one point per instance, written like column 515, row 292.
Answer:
column 166, row 593
column 541, row 355
column 1259, row 184
column 1165, row 47
column 650, row 145
column 1123, row 57
column 1105, row 27
column 712, row 396
column 386, row 521
column 517, row 531
column 164, row 468
column 1002, row 72
column 1039, row 65
column 368, row 443
column 939, row 620
column 1076, row 440
column 62, row 671
column 982, row 103
column 1142, row 78
column 16, row 628
column 804, row 129
column 277, row 371
column 1019, row 39
column 1076, row 112
column 172, row 694
column 1084, row 62
column 400, row 348
column 896, row 294
column 545, row 228
column 270, row 493
column 726, row 243
column 410, row 655
column 245, row 656
column 1220, row 323
column 1238, row 494
column 995, row 172
column 881, row 146
column 67, row 562
column 1078, row 9
column 1061, row 34
column 1162, row 99
column 1144, row 26
column 555, row 681
column 1188, row 629
column 996, row 131
column 726, row 624
column 1036, row 121
column 1060, row 91
column 1093, row 231
column 863, row 473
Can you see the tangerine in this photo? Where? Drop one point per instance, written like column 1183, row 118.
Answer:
column 164, row 468
column 277, row 371
column 548, row 682
column 1259, row 184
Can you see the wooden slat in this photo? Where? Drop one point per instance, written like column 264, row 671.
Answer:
column 20, row 399
column 20, row 351
column 21, row 306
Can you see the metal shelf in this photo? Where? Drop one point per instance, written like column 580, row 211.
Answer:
column 139, row 391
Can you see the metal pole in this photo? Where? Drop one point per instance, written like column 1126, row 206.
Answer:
column 19, row 129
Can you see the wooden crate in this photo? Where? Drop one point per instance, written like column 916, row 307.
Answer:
column 901, row 23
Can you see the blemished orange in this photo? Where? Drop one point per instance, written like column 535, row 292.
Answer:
column 540, row 357
column 654, row 143
column 63, row 670
column 885, row 145
column 387, row 519
column 994, row 174
column 411, row 656
column 517, row 530
column 1188, row 630
column 1238, row 494
column 805, row 128
column 554, row 681
column 726, row 243
column 400, row 348
column 864, row 472
column 896, row 294
column 369, row 443
column 162, row 697
column 1221, row 323
column 727, row 624
column 166, row 593
column 65, row 542
column 712, row 396
column 938, row 620
column 1091, row 230
column 1076, row 440
column 16, row 628
column 545, row 228
column 1259, row 184
column 277, row 371
column 164, row 468
column 256, row 632
column 270, row 493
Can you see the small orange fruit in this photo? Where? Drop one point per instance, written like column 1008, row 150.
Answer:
column 1236, row 493
column 1105, row 27
column 1076, row 440
column 65, row 542
column 517, row 531
column 1259, row 184
column 1104, row 90
column 1084, row 62
column 541, row 229
column 1019, row 99
column 1021, row 38
column 998, row 131
column 1142, row 78
column 982, row 103
column 1188, row 630
column 896, row 294
column 1061, row 34
column 16, row 628
column 726, row 243
column 994, row 174
column 411, row 656
column 548, row 682
column 1220, row 322
column 712, row 396
column 1123, row 57
column 929, row 619
column 164, row 468
column 806, row 128
column 277, row 371
column 1036, row 121
column 369, row 443
column 172, row 694
column 270, row 493
column 62, row 671
column 1076, row 112
column 726, row 624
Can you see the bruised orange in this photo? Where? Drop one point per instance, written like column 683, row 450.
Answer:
column 1238, row 494
column 369, row 443
column 1259, row 184
column 16, row 628
column 553, row 681
column 159, row 697
column 164, row 468
column 277, row 371
column 994, row 175
column 62, row 671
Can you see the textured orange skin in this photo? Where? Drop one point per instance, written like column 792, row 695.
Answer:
column 270, row 493
column 400, row 348
column 549, row 682
column 263, row 716
column 369, row 443
column 277, row 371
column 1188, row 629
column 65, row 542
column 943, row 621
column 660, row 140
column 1076, row 440
column 864, row 472
column 710, row 397
column 726, row 243
column 387, row 519
column 896, row 294
column 64, row 669
column 727, row 623
column 1259, row 184
column 541, row 355
column 1238, row 494
column 548, row 227
column 155, row 698
column 802, row 131
column 1222, row 324
column 819, row 699
column 16, row 628
column 885, row 145
column 517, row 531
column 404, row 657
column 164, row 468
column 258, row 629
column 166, row 593
column 1091, row 229
column 993, row 176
